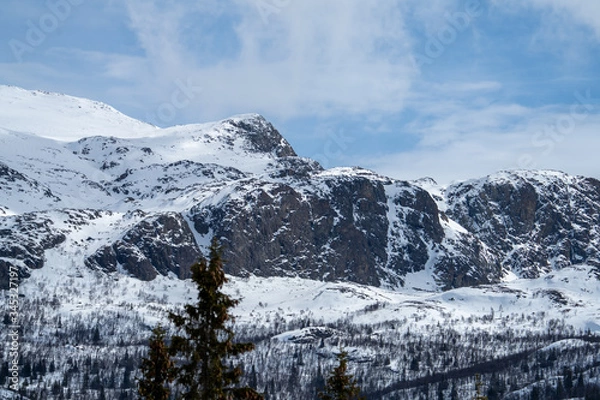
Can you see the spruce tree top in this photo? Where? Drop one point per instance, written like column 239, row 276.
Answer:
column 341, row 385
column 206, row 338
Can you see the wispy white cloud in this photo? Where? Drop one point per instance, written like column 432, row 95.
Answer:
column 582, row 12
column 473, row 142
column 339, row 58
column 309, row 57
column 157, row 28
column 585, row 11
column 467, row 88
column 110, row 65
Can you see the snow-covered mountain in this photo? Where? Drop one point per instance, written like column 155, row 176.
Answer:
column 138, row 190
column 63, row 117
column 102, row 215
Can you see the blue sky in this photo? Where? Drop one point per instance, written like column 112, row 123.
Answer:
column 450, row 89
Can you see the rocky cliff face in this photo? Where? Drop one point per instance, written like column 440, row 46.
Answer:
column 161, row 244
column 326, row 228
column 149, row 206
column 533, row 221
column 24, row 239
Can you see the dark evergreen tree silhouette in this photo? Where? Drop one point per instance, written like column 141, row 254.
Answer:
column 206, row 338
column 157, row 369
column 340, row 385
column 478, row 386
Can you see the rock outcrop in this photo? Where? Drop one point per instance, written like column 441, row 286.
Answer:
column 535, row 221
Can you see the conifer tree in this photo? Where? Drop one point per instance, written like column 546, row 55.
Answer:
column 478, row 385
column 206, row 338
column 340, row 385
column 157, row 369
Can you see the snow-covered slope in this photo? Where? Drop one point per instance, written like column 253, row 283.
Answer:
column 65, row 118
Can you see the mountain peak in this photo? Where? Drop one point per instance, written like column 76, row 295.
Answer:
column 261, row 134
column 68, row 118
column 63, row 117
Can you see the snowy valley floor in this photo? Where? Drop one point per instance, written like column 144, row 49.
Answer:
column 83, row 334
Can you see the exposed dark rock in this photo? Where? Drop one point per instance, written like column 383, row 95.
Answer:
column 276, row 230
column 537, row 221
column 415, row 229
column 134, row 261
column 262, row 136
column 12, row 180
column 469, row 263
column 10, row 175
column 341, row 233
column 418, row 239
column 160, row 244
column 24, row 244
column 104, row 259
column 294, row 167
